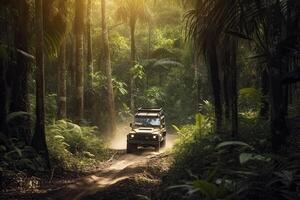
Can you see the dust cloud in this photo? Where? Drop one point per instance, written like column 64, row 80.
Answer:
column 118, row 142
column 121, row 168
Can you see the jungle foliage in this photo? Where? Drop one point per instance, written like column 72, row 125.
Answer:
column 226, row 73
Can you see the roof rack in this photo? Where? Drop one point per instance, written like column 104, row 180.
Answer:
column 151, row 110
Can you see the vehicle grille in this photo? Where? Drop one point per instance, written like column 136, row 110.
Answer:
column 144, row 136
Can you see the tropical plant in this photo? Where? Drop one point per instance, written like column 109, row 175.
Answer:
column 264, row 23
column 130, row 11
column 73, row 146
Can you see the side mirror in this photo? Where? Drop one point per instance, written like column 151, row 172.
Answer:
column 130, row 125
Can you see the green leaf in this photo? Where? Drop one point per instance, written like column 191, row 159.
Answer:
column 59, row 137
column 14, row 115
column 88, row 154
column 13, row 155
column 239, row 35
column 208, row 189
column 143, row 197
column 245, row 157
column 176, row 129
column 234, row 143
column 2, row 148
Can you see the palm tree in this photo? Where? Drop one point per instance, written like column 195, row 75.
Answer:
column 266, row 24
column 39, row 138
column 107, row 62
column 208, row 38
column 130, row 11
column 79, row 32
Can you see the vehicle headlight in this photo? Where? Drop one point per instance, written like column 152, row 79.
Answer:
column 131, row 136
column 154, row 136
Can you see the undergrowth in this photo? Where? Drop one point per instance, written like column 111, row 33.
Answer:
column 74, row 147
column 210, row 167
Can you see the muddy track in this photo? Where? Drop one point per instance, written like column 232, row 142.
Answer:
column 124, row 178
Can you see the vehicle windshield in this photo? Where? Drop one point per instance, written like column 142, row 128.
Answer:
column 147, row 121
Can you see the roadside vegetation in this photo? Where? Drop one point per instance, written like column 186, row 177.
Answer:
column 210, row 166
column 225, row 72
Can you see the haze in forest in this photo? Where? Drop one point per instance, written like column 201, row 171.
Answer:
column 150, row 99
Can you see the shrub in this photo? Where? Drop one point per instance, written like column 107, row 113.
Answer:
column 16, row 156
column 73, row 146
column 209, row 166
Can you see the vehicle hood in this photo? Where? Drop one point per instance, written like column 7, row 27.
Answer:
column 144, row 130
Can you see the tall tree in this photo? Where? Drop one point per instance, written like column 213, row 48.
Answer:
column 62, row 84
column 216, row 84
column 107, row 62
column 3, row 67
column 130, row 11
column 61, row 21
column 79, row 33
column 264, row 110
column 89, row 44
column 39, row 138
column 274, row 33
column 19, row 70
column 208, row 30
column 234, row 94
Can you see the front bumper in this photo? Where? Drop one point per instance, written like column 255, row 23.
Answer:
column 143, row 142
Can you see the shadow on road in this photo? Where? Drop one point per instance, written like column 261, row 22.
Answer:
column 120, row 169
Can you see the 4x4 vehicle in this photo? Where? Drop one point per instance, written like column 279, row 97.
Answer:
column 148, row 129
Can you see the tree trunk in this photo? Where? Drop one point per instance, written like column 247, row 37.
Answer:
column 39, row 138
column 3, row 68
column 226, row 85
column 89, row 46
column 216, row 86
column 132, row 63
column 106, row 60
column 3, row 94
column 275, row 35
column 227, row 78
column 79, row 30
column 279, row 128
column 198, row 82
column 234, row 93
column 285, row 99
column 62, row 84
column 264, row 110
column 19, row 71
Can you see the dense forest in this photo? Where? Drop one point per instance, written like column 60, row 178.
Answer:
column 73, row 73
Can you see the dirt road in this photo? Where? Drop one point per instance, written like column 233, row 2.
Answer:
column 124, row 178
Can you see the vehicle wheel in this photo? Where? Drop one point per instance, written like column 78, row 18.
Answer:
column 131, row 148
column 163, row 143
column 157, row 147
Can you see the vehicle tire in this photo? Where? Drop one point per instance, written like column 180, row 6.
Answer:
column 157, row 147
column 163, row 143
column 131, row 148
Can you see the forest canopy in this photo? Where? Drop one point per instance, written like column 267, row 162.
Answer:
column 226, row 73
